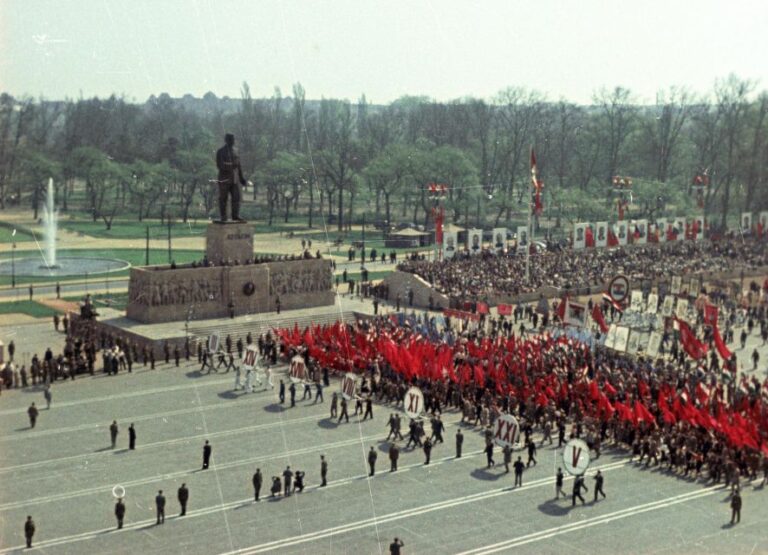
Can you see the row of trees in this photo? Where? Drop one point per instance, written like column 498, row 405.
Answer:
column 335, row 159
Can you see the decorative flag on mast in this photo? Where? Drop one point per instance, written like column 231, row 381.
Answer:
column 538, row 185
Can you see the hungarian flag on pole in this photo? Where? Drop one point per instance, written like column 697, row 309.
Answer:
column 538, row 185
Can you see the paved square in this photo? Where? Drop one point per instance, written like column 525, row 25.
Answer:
column 63, row 471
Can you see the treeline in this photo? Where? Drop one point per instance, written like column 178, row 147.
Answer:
column 110, row 157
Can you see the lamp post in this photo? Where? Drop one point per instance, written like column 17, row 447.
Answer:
column 13, row 263
column 362, row 250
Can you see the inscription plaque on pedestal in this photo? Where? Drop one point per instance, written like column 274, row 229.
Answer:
column 229, row 242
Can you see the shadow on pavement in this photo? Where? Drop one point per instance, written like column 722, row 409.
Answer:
column 328, row 423
column 384, row 446
column 555, row 507
column 486, row 474
column 228, row 395
column 274, row 407
column 194, row 374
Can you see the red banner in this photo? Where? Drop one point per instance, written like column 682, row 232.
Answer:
column 504, row 309
column 461, row 314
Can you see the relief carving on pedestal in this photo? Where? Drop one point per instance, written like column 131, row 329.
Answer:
column 174, row 291
column 289, row 282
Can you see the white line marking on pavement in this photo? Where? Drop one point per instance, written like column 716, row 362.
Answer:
column 184, row 439
column 321, row 533
column 594, row 521
column 103, row 426
column 117, row 396
column 182, row 473
column 392, row 517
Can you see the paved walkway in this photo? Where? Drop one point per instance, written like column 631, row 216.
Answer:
column 63, row 471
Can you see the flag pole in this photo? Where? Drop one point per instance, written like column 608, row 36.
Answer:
column 528, row 246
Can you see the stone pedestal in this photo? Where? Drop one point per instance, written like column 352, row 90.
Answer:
column 229, row 241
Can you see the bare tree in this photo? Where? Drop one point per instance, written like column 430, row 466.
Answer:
column 618, row 117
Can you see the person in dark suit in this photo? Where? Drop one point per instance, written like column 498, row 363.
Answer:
column 292, row 390
column 29, row 530
column 344, row 414
column 427, row 450
column 32, row 412
column 113, row 432
column 599, row 485
column 287, row 480
column 257, row 481
column 282, row 392
column 368, row 408
column 559, row 484
column 736, row 506
column 519, row 467
column 183, row 496
column 578, row 485
column 394, row 454
column 372, row 456
column 160, row 504
column 323, row 471
column 120, row 512
column 131, row 437
column 394, row 547
column 459, row 443
column 206, row 455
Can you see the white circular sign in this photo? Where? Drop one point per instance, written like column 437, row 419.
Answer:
column 118, row 491
column 618, row 289
column 576, row 457
column 506, row 431
column 413, row 402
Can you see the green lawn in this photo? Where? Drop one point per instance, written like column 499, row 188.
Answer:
column 6, row 233
column 31, row 308
column 133, row 229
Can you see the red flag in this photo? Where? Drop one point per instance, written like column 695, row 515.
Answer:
column 692, row 346
column 701, row 394
column 482, row 308
column 710, row 315
column 538, row 185
column 609, row 389
column 504, row 309
column 720, row 345
column 597, row 316
column 642, row 414
column 594, row 392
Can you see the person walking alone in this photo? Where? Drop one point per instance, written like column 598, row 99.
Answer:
column 120, row 512
column 599, row 485
column 206, row 455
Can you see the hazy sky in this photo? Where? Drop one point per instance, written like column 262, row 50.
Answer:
column 339, row 48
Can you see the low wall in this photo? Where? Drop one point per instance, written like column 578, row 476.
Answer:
column 399, row 283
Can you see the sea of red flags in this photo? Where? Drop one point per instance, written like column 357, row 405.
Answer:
column 522, row 368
